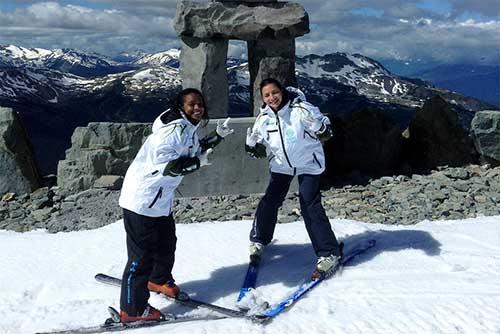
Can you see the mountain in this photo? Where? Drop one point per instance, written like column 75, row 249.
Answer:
column 64, row 60
column 478, row 81
column 55, row 91
column 168, row 58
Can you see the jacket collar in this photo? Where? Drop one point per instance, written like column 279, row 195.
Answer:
column 269, row 111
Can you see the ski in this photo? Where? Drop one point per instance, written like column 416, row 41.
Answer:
column 111, row 325
column 183, row 298
column 250, row 278
column 349, row 255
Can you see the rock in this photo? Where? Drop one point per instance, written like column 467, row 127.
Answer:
column 17, row 159
column 99, row 149
column 366, row 141
column 8, row 197
column 203, row 66
column 439, row 136
column 233, row 20
column 485, row 130
column 111, row 182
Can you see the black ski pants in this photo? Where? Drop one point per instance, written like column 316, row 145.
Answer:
column 151, row 245
column 317, row 224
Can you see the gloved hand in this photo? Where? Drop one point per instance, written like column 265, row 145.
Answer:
column 222, row 128
column 311, row 123
column 252, row 138
column 257, row 152
column 204, row 157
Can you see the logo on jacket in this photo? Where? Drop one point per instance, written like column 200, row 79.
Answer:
column 290, row 136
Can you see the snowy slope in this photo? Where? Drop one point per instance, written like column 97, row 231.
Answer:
column 434, row 277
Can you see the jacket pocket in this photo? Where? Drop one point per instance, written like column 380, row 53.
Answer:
column 157, row 197
column 316, row 160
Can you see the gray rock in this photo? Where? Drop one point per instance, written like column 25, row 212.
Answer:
column 485, row 130
column 99, row 149
column 439, row 136
column 17, row 160
column 203, row 66
column 232, row 20
column 111, row 182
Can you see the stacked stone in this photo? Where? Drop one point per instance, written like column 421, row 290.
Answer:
column 269, row 27
column 448, row 193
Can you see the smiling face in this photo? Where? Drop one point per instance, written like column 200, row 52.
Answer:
column 272, row 96
column 193, row 107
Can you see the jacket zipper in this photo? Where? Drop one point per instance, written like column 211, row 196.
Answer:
column 316, row 159
column 283, row 143
column 158, row 195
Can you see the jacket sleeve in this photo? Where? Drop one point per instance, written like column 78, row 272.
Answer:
column 168, row 145
column 312, row 118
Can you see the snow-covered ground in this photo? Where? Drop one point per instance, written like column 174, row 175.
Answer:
column 433, row 277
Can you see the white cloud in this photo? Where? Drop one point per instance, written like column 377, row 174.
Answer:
column 376, row 28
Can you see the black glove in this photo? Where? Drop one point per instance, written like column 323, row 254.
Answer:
column 258, row 151
column 182, row 166
column 210, row 141
column 325, row 133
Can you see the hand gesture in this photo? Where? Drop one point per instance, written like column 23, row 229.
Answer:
column 204, row 157
column 223, row 129
column 252, row 138
column 311, row 123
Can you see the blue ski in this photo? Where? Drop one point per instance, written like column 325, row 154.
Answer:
column 349, row 255
column 250, row 279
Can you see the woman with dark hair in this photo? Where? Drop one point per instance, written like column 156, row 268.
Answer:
column 170, row 152
column 291, row 130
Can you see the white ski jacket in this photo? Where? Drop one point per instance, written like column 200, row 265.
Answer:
column 293, row 146
column 145, row 190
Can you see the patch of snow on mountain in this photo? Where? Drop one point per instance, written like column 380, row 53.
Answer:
column 314, row 69
column 143, row 75
column 360, row 61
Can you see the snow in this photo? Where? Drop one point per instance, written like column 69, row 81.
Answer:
column 359, row 61
column 143, row 75
column 433, row 277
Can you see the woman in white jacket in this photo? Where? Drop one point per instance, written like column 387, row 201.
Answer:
column 170, row 152
column 289, row 130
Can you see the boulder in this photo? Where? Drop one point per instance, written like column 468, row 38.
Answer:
column 99, row 149
column 485, row 131
column 365, row 141
column 20, row 173
column 439, row 136
column 237, row 20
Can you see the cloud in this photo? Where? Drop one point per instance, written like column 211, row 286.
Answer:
column 108, row 30
column 447, row 31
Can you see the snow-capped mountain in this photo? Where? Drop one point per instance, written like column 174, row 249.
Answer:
column 168, row 58
column 64, row 60
column 61, row 89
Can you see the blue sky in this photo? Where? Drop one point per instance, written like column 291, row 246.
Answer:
column 447, row 31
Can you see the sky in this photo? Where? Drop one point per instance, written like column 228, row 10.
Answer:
column 432, row 277
column 443, row 31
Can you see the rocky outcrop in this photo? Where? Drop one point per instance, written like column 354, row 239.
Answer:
column 364, row 142
column 447, row 193
column 439, row 136
column 100, row 149
column 17, row 160
column 485, row 130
